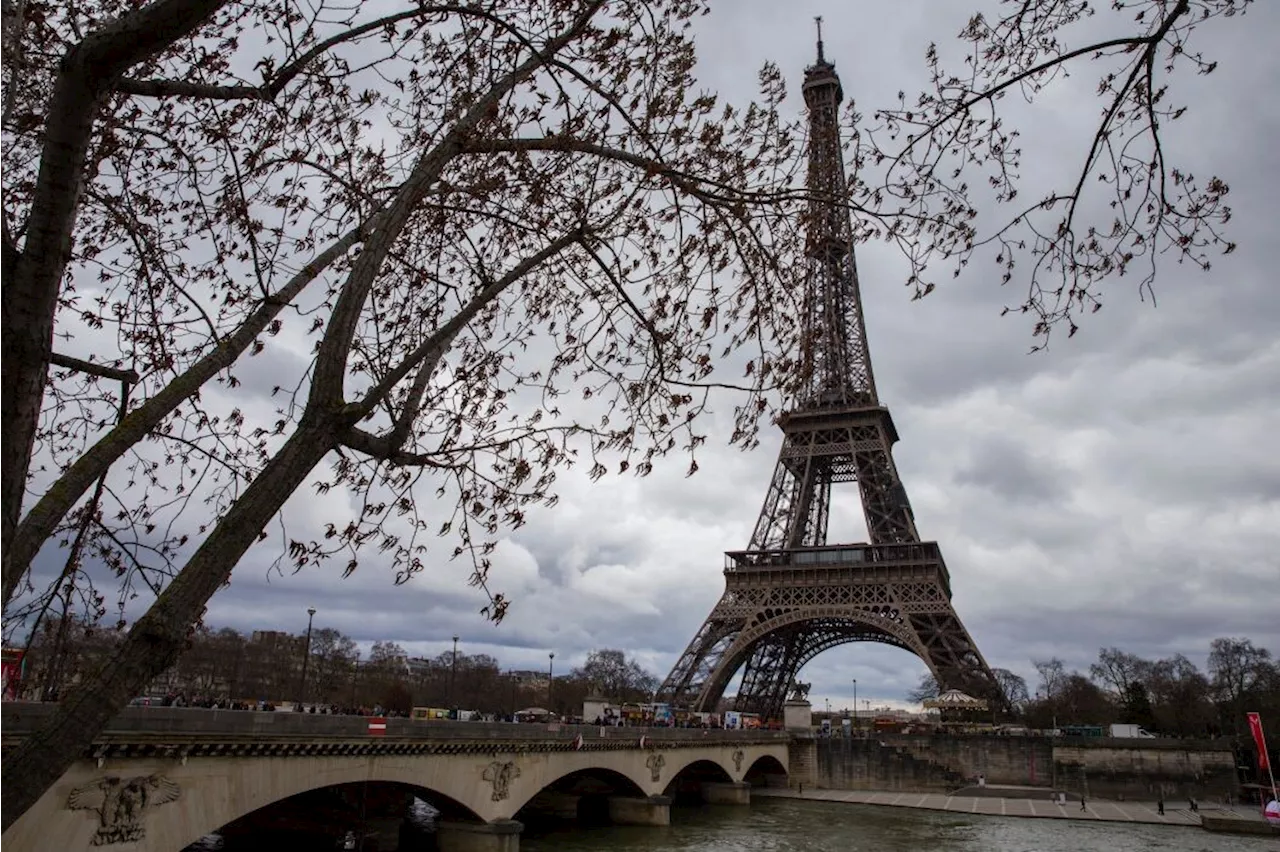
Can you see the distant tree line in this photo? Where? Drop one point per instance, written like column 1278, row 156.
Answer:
column 223, row 663
column 1171, row 696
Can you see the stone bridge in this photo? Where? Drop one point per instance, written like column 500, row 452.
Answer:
column 160, row 778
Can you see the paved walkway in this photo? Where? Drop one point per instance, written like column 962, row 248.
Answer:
column 1098, row 811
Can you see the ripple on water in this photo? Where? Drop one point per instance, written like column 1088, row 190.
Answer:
column 781, row 825
column 785, row 825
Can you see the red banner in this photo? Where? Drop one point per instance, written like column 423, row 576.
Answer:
column 1255, row 727
column 11, row 673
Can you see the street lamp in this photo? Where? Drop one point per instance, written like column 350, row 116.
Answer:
column 355, row 676
column 855, row 704
column 515, row 681
column 306, row 654
column 453, row 672
column 551, row 677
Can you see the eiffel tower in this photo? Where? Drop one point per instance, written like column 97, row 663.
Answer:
column 791, row 595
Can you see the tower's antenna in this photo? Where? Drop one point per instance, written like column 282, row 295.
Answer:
column 818, row 20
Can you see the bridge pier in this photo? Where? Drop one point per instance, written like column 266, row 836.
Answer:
column 726, row 793
column 502, row 835
column 651, row 810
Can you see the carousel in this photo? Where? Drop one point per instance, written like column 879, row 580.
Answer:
column 956, row 708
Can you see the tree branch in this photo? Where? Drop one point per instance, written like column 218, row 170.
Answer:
column 270, row 89
column 435, row 346
column 425, row 358
column 127, row 376
column 988, row 94
column 58, row 499
column 692, row 185
column 30, row 293
column 386, row 448
column 335, row 346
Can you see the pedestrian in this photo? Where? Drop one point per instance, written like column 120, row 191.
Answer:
column 1160, row 806
column 1082, row 807
column 801, row 788
column 1194, row 807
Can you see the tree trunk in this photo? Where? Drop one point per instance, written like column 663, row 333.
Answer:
column 159, row 636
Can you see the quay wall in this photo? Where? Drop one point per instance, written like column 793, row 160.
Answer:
column 1101, row 768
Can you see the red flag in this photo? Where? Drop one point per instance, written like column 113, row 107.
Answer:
column 1255, row 727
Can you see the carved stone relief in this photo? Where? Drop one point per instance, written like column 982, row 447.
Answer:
column 500, row 775
column 121, row 805
column 655, row 762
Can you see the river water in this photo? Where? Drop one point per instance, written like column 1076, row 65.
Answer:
column 786, row 825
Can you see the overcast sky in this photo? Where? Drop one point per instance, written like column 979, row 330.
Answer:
column 1122, row 488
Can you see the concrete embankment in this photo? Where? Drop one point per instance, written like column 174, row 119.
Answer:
column 1114, row 769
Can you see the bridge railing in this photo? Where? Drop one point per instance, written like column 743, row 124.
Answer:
column 18, row 718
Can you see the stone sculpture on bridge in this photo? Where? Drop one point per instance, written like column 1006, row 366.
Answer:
column 500, row 775
column 121, row 804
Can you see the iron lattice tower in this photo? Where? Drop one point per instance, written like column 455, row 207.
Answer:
column 791, row 595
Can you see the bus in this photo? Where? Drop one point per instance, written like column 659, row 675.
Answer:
column 428, row 713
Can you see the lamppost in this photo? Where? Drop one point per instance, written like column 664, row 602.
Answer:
column 453, row 673
column 306, row 654
column 855, row 704
column 515, row 681
column 355, row 675
column 551, row 677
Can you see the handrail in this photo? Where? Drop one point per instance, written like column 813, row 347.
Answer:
column 833, row 555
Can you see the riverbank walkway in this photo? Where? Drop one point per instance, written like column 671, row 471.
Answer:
column 990, row 805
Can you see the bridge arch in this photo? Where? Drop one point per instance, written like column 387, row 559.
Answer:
column 687, row 780
column 843, row 624
column 766, row 771
column 333, row 809
column 584, row 781
column 277, row 785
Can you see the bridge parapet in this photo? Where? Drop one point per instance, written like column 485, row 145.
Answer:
column 143, row 726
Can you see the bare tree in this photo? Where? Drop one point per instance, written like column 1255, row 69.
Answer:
column 927, row 689
column 1053, row 675
column 1014, row 689
column 947, row 155
column 1180, row 697
column 332, row 656
column 1119, row 671
column 1237, row 668
column 1080, row 701
column 419, row 199
column 433, row 222
column 618, row 678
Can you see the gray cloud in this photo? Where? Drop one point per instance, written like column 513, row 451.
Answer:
column 1122, row 488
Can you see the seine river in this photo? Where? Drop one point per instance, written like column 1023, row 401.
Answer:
column 786, row 825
